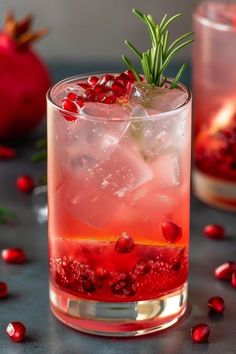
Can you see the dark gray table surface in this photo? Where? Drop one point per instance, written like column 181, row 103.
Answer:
column 28, row 283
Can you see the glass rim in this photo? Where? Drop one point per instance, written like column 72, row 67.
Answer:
column 50, row 100
column 204, row 20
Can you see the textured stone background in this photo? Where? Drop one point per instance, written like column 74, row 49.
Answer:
column 94, row 30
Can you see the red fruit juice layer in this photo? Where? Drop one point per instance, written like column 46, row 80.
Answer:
column 102, row 271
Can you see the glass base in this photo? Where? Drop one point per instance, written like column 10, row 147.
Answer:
column 214, row 191
column 118, row 319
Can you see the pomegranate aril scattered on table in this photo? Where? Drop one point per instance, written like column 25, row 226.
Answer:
column 16, row 331
column 3, row 290
column 13, row 255
column 7, row 153
column 216, row 304
column 225, row 271
column 214, row 231
column 171, row 232
column 200, row 333
column 233, row 280
column 25, row 184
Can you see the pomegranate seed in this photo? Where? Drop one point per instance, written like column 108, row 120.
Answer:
column 88, row 285
column 122, row 77
column 100, row 97
column 124, row 244
column 216, row 304
column 98, row 89
column 214, row 231
column 171, row 231
column 3, row 290
column 131, row 75
column 83, row 85
column 110, row 99
column 128, row 87
column 13, row 255
column 7, row 153
column 200, row 333
column 69, row 106
column 92, row 80
column 80, row 101
column 89, row 94
column 105, row 79
column 118, row 88
column 16, row 331
column 71, row 96
column 25, row 184
column 225, row 271
column 233, row 280
column 101, row 273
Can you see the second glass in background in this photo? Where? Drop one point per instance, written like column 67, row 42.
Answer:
column 214, row 79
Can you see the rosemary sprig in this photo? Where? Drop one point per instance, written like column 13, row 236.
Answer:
column 155, row 60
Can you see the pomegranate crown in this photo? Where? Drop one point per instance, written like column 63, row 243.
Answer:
column 21, row 31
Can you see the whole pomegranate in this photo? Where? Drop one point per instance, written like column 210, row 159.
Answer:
column 24, row 79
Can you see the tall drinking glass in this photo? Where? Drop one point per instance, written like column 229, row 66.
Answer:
column 118, row 190
column 214, row 78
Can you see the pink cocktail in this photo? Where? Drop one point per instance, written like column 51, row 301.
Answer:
column 118, row 181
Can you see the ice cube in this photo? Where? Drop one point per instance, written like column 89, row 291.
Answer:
column 97, row 195
column 88, row 142
column 152, row 136
column 167, row 169
column 156, row 98
column 105, row 111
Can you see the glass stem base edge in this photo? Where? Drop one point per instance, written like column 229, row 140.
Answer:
column 119, row 319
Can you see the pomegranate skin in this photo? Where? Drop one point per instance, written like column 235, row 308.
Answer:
column 23, row 86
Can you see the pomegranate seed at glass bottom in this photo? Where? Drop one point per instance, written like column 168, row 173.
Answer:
column 25, row 184
column 171, row 232
column 7, row 153
column 233, row 280
column 3, row 290
column 216, row 304
column 200, row 333
column 69, row 106
column 13, row 255
column 16, row 331
column 225, row 271
column 214, row 231
column 124, row 244
column 92, row 80
column 101, row 273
